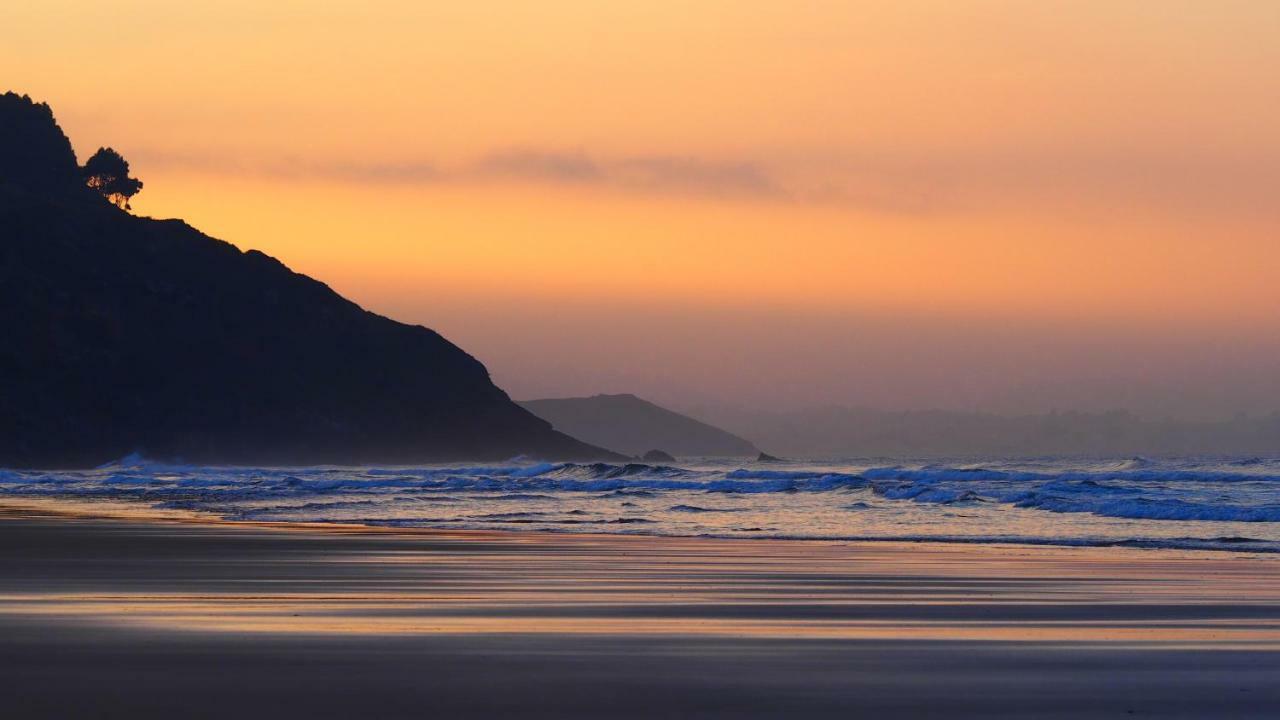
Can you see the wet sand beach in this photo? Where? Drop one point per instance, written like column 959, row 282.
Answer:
column 126, row 617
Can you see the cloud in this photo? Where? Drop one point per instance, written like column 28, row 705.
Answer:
column 668, row 174
column 539, row 165
column 290, row 168
column 1109, row 180
column 651, row 174
column 688, row 174
column 421, row 172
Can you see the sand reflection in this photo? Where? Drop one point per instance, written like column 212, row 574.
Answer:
column 217, row 579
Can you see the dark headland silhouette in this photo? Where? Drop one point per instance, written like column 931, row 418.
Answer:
column 634, row 426
column 124, row 334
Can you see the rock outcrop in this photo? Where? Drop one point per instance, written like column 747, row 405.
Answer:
column 125, row 334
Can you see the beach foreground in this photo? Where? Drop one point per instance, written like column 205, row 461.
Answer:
column 105, row 617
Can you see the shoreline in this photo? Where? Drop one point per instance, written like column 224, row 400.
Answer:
column 16, row 506
column 155, row 617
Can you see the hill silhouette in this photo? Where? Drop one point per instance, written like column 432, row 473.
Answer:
column 634, row 426
column 125, row 334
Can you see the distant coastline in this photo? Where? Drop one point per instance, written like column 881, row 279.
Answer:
column 838, row 432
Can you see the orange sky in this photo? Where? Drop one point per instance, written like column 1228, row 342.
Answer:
column 646, row 195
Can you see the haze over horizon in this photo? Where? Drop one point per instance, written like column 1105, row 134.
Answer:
column 732, row 203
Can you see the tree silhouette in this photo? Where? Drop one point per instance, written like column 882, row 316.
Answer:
column 108, row 173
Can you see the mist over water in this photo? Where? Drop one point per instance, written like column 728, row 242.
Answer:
column 729, row 365
column 1222, row 504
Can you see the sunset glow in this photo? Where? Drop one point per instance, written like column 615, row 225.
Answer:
column 660, row 183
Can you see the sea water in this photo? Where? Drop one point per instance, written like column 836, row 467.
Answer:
column 1203, row 503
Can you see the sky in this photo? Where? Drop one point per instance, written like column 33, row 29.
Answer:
column 994, row 205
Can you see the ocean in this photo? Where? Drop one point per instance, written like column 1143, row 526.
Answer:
column 1201, row 503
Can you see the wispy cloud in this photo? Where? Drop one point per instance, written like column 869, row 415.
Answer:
column 538, row 165
column 912, row 185
column 653, row 174
column 689, row 174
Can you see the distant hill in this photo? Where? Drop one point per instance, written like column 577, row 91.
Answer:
column 124, row 334
column 633, row 426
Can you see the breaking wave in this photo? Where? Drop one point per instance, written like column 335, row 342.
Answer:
column 1136, row 501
